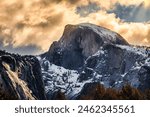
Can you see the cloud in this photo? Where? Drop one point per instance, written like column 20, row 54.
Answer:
column 37, row 23
column 23, row 50
column 131, row 13
column 147, row 3
column 134, row 33
column 85, row 10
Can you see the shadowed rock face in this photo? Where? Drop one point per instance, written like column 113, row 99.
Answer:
column 117, row 65
column 79, row 42
column 87, row 55
column 20, row 77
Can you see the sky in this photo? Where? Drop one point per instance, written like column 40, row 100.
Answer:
column 30, row 26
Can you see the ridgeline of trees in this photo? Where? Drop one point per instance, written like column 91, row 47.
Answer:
column 99, row 92
column 126, row 93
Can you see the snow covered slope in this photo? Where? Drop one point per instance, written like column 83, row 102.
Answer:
column 87, row 53
column 113, row 66
column 58, row 78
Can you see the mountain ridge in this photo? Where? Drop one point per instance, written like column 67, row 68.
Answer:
column 86, row 57
column 113, row 63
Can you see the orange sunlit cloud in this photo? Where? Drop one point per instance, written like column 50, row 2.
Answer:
column 40, row 22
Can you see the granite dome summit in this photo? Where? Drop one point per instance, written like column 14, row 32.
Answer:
column 90, row 54
column 78, row 42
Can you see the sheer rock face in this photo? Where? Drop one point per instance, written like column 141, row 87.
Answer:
column 20, row 77
column 88, row 54
column 79, row 42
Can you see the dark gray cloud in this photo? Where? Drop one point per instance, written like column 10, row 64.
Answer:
column 85, row 10
column 23, row 50
column 131, row 13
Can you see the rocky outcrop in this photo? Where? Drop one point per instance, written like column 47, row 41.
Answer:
column 20, row 77
column 87, row 55
column 79, row 42
column 117, row 65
